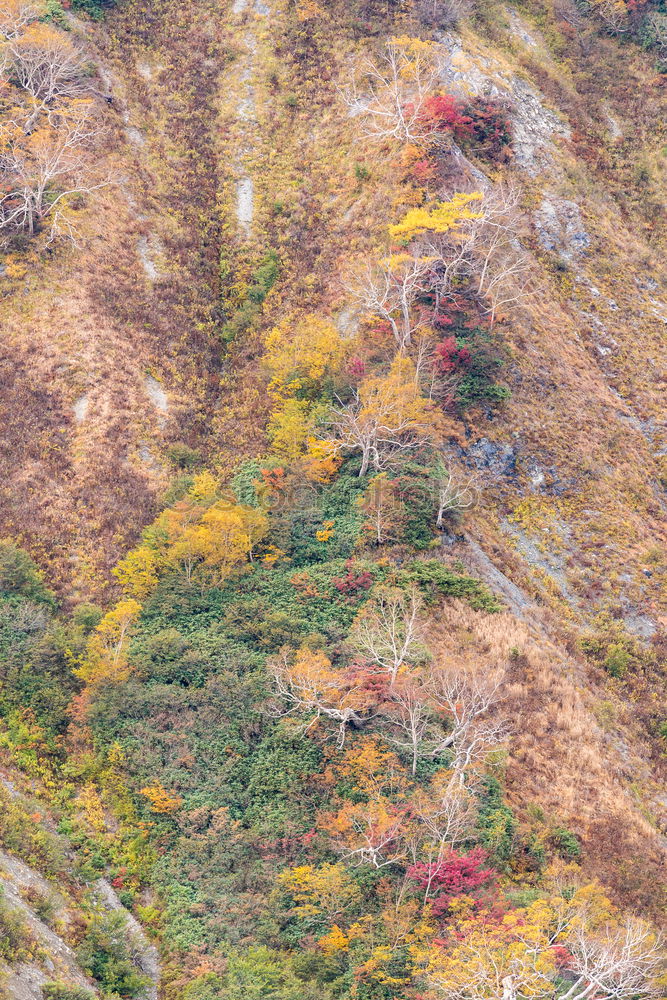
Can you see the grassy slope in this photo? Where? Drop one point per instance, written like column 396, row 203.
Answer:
column 591, row 420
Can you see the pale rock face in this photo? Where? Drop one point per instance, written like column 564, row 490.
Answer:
column 560, row 228
column 534, row 126
column 150, row 250
column 520, row 29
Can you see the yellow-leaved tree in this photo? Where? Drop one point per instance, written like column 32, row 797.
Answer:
column 290, row 428
column 106, row 656
column 161, row 801
column 388, row 418
column 571, row 946
column 205, row 535
column 300, row 354
column 445, row 217
column 327, row 890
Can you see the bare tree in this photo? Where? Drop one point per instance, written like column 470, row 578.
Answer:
column 485, row 251
column 418, row 705
column 47, row 64
column 464, row 700
column 619, row 963
column 410, row 713
column 307, row 684
column 386, row 419
column 17, row 15
column 41, row 169
column 500, row 265
column 389, row 94
column 389, row 631
column 452, row 495
column 445, row 814
column 390, row 289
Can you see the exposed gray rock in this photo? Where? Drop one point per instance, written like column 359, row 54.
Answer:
column 560, row 228
column 81, row 408
column 519, row 29
column 500, row 459
column 534, row 126
column 150, row 250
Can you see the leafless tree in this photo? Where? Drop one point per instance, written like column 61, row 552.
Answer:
column 464, row 701
column 618, row 963
column 445, row 813
column 486, row 252
column 453, row 496
column 41, row 169
column 390, row 289
column 389, row 631
column 306, row 683
column 410, row 713
column 17, row 15
column 500, row 265
column 418, row 705
column 47, row 64
column 389, row 93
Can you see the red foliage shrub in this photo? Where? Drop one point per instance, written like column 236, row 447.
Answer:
column 455, row 875
column 450, row 357
column 481, row 123
column 424, row 171
column 356, row 369
column 353, row 582
column 490, row 128
column 446, row 113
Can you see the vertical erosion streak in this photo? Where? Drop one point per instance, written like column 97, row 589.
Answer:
column 246, row 118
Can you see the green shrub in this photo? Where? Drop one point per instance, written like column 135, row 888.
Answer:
column 478, row 385
column 94, row 8
column 617, row 660
column 105, row 955
column 183, row 457
column 496, row 823
column 16, row 943
column 20, row 576
column 65, row 991
column 565, row 842
column 436, row 580
column 261, row 972
column 244, row 483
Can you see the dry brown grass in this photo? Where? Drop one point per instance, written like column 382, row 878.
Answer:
column 560, row 759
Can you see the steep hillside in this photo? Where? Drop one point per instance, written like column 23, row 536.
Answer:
column 337, row 383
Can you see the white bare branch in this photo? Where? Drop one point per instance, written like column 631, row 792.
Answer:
column 389, row 94
column 17, row 15
column 389, row 631
column 46, row 63
column 307, row 684
column 464, row 700
column 390, row 289
column 485, row 251
column 40, row 169
column 453, row 495
column 616, row 964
